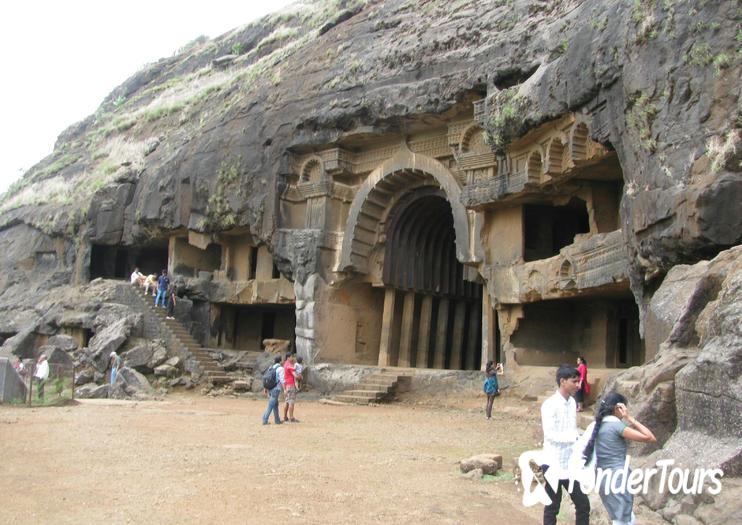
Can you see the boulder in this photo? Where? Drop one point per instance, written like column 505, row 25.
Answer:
column 242, row 385
column 276, row 346
column 159, row 356
column 57, row 356
column 84, row 377
column 64, row 342
column 174, row 362
column 165, row 371
column 487, row 463
column 92, row 391
column 108, row 339
column 476, row 473
column 12, row 386
column 21, row 344
column 139, row 358
column 135, row 381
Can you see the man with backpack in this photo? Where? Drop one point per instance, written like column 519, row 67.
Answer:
column 273, row 385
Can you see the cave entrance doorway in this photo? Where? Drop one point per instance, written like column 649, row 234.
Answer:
column 432, row 315
column 244, row 327
column 118, row 262
column 605, row 331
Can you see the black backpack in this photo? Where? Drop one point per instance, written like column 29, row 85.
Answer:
column 269, row 378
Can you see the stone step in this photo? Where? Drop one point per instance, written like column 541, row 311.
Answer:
column 373, row 388
column 377, row 384
column 365, row 393
column 353, row 399
column 219, row 378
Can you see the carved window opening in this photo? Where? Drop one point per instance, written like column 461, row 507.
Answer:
column 555, row 156
column 253, row 262
column 475, row 142
column 312, row 171
column 535, row 167
column 579, row 142
column 548, row 229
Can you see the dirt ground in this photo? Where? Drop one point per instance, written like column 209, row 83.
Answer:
column 196, row 459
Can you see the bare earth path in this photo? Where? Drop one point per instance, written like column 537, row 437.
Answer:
column 193, row 459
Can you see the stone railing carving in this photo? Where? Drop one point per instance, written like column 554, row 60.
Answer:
column 493, row 189
column 601, row 263
column 589, row 264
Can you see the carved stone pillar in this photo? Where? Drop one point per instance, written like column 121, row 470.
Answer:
column 471, row 343
column 423, row 334
column 405, row 339
column 457, row 346
column 489, row 331
column 386, row 344
column 441, row 329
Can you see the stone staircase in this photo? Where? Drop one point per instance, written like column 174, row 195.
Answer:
column 377, row 387
column 181, row 338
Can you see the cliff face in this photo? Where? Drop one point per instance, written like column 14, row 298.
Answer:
column 199, row 140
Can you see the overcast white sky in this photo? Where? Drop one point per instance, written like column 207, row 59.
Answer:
column 61, row 58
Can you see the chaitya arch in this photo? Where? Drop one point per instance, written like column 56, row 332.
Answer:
column 376, row 195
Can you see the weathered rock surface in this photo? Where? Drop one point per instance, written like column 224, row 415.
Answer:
column 486, row 463
column 108, row 339
column 139, row 358
column 690, row 394
column 92, row 391
column 130, row 383
column 659, row 82
column 65, row 343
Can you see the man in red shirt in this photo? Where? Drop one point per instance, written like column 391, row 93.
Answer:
column 289, row 388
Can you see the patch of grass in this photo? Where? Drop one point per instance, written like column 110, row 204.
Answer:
column 278, row 35
column 238, row 48
column 507, row 110
column 640, row 10
column 599, row 23
column 721, row 150
column 219, row 213
column 193, row 44
column 640, row 118
column 58, row 165
column 699, row 55
column 720, row 61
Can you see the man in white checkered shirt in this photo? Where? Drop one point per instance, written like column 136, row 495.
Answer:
column 559, row 421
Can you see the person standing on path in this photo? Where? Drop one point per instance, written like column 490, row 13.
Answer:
column 162, row 285
column 115, row 361
column 172, row 292
column 289, row 389
column 491, row 385
column 609, row 433
column 559, row 421
column 584, row 389
column 41, row 374
column 273, row 393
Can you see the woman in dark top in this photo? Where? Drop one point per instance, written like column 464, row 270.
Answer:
column 491, row 385
column 609, row 436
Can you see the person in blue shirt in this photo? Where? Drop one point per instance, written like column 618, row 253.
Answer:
column 163, row 282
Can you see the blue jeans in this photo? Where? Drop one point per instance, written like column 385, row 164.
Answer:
column 161, row 294
column 273, row 405
column 114, row 371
